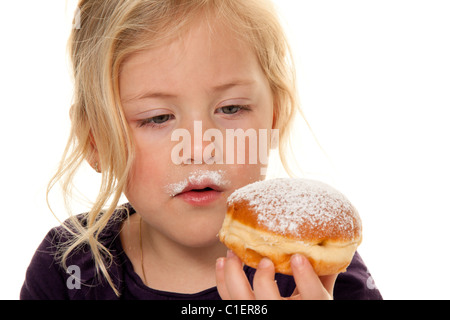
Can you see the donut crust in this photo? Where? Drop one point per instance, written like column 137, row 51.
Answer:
column 329, row 247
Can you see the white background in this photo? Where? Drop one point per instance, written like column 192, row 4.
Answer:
column 374, row 83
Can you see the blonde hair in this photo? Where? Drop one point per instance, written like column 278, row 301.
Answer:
column 109, row 32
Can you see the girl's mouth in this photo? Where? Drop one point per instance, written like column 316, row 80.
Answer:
column 200, row 196
column 201, row 188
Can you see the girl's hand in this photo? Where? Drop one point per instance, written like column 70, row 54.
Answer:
column 232, row 282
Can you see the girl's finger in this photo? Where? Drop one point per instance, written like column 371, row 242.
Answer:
column 308, row 283
column 264, row 285
column 220, row 279
column 236, row 281
column 328, row 282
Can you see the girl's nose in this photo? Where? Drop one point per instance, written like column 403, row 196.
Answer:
column 202, row 144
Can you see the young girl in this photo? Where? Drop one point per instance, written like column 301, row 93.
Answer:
column 147, row 75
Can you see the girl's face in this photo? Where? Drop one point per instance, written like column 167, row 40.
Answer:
column 171, row 96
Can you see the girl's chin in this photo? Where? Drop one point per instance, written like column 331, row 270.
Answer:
column 203, row 241
column 197, row 234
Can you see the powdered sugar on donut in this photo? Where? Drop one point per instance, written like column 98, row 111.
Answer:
column 285, row 205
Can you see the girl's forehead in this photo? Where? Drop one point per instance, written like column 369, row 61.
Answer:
column 201, row 39
column 208, row 54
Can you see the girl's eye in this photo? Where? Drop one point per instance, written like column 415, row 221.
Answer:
column 156, row 121
column 161, row 119
column 233, row 109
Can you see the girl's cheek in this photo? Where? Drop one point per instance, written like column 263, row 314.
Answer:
column 149, row 136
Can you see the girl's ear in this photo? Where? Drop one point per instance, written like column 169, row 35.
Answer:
column 93, row 159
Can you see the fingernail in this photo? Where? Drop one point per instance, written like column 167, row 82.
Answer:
column 230, row 254
column 297, row 261
column 264, row 263
column 220, row 263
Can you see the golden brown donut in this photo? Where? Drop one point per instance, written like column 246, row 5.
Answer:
column 280, row 217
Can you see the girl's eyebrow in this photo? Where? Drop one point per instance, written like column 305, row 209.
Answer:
column 231, row 84
column 214, row 89
column 149, row 95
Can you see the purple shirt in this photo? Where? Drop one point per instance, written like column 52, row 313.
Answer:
column 46, row 278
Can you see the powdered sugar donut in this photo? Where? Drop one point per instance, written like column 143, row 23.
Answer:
column 280, row 217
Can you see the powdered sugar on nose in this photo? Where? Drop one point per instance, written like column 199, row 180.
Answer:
column 215, row 177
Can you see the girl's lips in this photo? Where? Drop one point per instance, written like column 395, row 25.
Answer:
column 200, row 194
column 198, row 179
column 200, row 187
column 200, row 198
